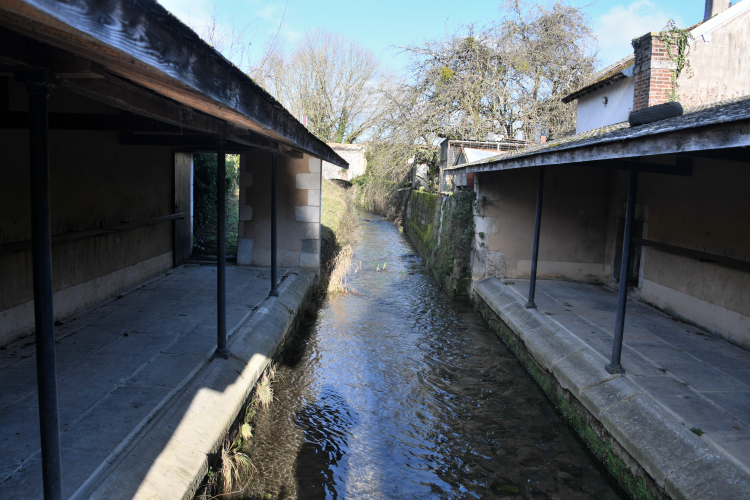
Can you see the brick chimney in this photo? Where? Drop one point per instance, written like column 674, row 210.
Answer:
column 651, row 69
column 713, row 7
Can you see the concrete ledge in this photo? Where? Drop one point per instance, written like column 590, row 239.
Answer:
column 169, row 456
column 678, row 461
column 654, row 438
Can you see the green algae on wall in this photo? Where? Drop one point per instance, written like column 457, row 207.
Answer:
column 442, row 229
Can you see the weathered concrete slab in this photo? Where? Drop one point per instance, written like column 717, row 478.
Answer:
column 654, row 438
column 676, row 378
column 141, row 401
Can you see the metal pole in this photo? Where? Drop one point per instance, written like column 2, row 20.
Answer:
column 622, row 297
column 46, row 371
column 535, row 253
column 221, row 257
column 273, row 292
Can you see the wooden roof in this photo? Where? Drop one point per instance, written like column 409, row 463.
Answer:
column 116, row 49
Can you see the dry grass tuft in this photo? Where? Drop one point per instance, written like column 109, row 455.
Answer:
column 235, row 468
column 341, row 267
column 246, row 432
column 264, row 391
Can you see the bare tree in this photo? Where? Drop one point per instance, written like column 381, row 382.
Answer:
column 507, row 78
column 504, row 79
column 330, row 81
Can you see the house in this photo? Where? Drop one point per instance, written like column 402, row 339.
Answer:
column 655, row 213
column 101, row 109
column 717, row 70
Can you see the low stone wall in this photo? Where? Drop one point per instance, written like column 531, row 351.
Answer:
column 645, row 448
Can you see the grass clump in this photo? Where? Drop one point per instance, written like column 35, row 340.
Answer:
column 338, row 225
column 234, row 470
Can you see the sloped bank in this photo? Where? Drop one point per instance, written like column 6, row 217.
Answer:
column 441, row 227
column 651, row 456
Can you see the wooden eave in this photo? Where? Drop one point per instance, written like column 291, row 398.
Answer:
column 728, row 141
column 135, row 45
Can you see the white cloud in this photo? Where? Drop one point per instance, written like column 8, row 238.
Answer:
column 618, row 26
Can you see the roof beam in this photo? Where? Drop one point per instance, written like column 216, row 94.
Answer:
column 739, row 154
column 123, row 122
column 202, row 142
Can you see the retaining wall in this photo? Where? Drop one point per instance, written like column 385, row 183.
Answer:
column 423, row 224
column 649, row 453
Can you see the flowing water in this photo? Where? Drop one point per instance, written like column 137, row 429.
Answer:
column 398, row 392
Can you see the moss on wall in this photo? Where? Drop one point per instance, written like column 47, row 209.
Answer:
column 442, row 229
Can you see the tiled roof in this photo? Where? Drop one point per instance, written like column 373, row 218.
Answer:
column 731, row 110
column 607, row 75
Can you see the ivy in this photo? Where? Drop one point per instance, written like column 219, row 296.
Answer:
column 677, row 42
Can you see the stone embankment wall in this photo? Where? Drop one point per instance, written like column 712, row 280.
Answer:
column 651, row 454
column 432, row 224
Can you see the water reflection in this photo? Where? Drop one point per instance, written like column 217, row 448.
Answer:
column 400, row 393
column 325, row 424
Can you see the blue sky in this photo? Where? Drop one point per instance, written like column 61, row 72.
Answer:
column 382, row 24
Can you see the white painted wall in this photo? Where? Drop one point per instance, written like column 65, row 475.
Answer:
column 718, row 58
column 593, row 113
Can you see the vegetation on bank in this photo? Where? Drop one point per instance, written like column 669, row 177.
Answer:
column 232, row 470
column 338, row 227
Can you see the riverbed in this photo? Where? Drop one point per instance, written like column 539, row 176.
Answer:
column 395, row 391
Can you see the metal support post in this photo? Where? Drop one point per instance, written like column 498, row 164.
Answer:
column 273, row 292
column 535, row 253
column 46, row 370
column 622, row 297
column 221, row 247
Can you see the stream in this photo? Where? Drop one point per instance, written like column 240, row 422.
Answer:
column 396, row 391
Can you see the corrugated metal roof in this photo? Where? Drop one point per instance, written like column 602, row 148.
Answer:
column 472, row 155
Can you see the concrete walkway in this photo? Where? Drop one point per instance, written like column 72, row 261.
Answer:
column 122, row 365
column 704, row 382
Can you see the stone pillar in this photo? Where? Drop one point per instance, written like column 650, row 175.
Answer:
column 298, row 210
column 309, row 214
